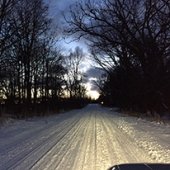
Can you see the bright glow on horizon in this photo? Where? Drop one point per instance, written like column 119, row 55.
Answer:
column 66, row 44
column 94, row 94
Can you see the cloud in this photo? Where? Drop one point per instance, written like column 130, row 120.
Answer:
column 56, row 7
column 94, row 87
column 94, row 73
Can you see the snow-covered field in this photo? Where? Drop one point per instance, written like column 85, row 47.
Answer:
column 93, row 138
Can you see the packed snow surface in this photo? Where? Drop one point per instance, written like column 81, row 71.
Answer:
column 92, row 138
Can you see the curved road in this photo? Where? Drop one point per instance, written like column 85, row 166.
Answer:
column 88, row 139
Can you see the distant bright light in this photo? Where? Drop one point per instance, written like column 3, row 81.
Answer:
column 94, row 94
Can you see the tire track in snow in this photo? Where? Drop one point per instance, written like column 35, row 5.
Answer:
column 130, row 152
column 89, row 140
column 38, row 148
column 103, row 159
column 61, row 151
column 16, row 142
column 87, row 152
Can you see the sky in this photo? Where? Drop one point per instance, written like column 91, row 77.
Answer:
column 56, row 8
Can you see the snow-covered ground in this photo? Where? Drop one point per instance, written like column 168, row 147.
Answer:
column 93, row 138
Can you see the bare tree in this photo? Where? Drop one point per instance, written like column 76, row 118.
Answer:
column 125, row 37
column 30, row 18
column 31, row 67
column 6, row 9
column 74, row 76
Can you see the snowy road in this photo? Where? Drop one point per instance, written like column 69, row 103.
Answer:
column 93, row 138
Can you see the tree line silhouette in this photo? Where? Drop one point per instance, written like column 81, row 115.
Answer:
column 34, row 74
column 130, row 40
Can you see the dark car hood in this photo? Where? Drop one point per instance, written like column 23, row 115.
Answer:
column 141, row 167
